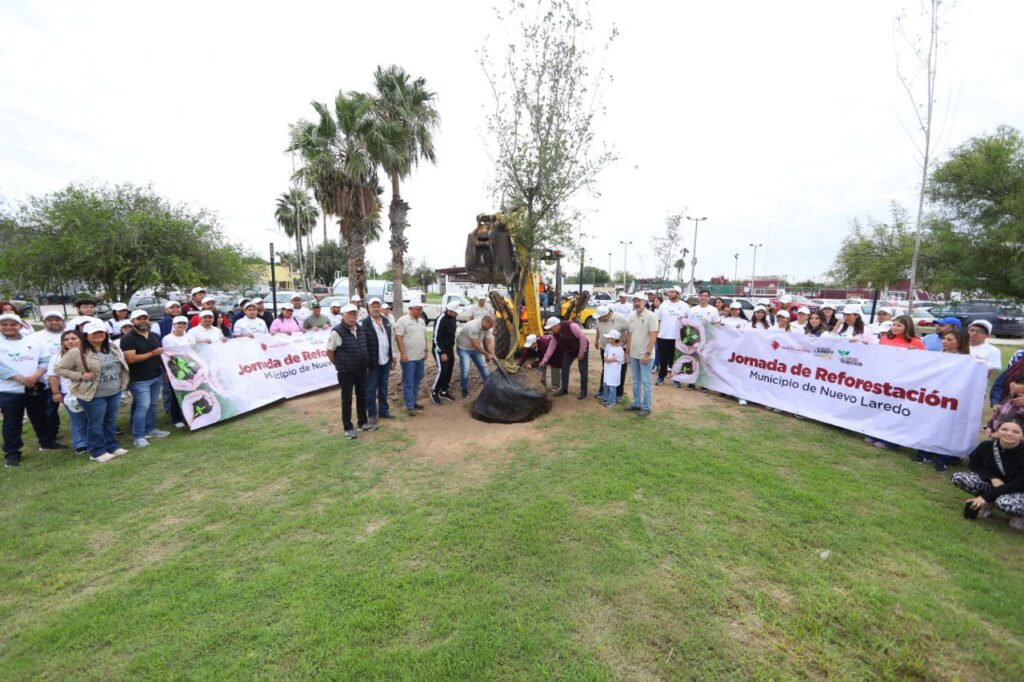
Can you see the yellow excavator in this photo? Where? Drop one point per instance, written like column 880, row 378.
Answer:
column 494, row 257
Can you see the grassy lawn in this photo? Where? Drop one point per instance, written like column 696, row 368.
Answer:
column 708, row 543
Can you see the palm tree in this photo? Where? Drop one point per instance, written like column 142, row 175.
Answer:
column 406, row 103
column 679, row 265
column 297, row 216
column 339, row 151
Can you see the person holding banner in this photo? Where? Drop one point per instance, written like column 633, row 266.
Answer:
column 285, row 322
column 250, row 323
column 816, row 325
column 411, row 337
column 735, row 318
column 669, row 313
column 643, row 332
column 347, row 351
column 782, row 325
column 977, row 334
column 852, row 326
column 206, row 332
column 759, row 319
column 902, row 335
column 996, row 477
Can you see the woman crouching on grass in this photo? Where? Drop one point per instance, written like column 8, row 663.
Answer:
column 996, row 476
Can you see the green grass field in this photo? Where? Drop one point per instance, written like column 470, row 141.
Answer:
column 711, row 543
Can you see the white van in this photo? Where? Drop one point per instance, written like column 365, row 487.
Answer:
column 382, row 289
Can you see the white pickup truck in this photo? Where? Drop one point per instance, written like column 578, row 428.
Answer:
column 432, row 311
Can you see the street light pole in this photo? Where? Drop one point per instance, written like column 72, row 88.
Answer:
column 625, row 255
column 609, row 268
column 693, row 263
column 753, row 268
column 736, row 270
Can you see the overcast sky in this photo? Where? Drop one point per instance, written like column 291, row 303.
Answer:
column 777, row 121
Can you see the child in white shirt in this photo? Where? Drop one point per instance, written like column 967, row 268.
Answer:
column 614, row 356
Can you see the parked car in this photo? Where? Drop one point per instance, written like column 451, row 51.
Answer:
column 320, row 292
column 745, row 303
column 382, row 289
column 24, row 308
column 153, row 306
column 797, row 301
column 286, row 295
column 1007, row 320
column 432, row 311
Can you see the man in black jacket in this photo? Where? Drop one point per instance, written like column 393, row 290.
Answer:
column 444, row 353
column 346, row 348
column 380, row 349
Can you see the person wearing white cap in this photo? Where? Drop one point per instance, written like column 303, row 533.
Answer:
column 607, row 321
column 347, row 351
column 704, row 310
column 194, row 303
column 50, row 336
column 474, row 342
column 759, row 319
column 172, row 309
column 411, row 337
column 614, row 360
column 478, row 309
column 643, row 332
column 285, row 322
column 882, row 315
column 978, row 333
column 206, row 332
column 179, row 337
column 736, row 317
column 361, row 311
column 852, row 326
column 220, row 321
column 250, row 324
column 125, row 328
column 262, row 312
column 803, row 313
column 142, row 351
column 651, row 295
column 334, row 312
column 119, row 312
column 380, row 348
column 622, row 306
column 99, row 374
column 569, row 342
column 60, row 389
column 385, row 310
column 669, row 315
column 23, row 362
column 782, row 324
column 534, row 348
column 443, row 349
column 299, row 312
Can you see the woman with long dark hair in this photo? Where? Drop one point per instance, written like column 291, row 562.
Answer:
column 996, row 475
column 828, row 317
column 852, row 325
column 735, row 318
column 117, row 319
column 901, row 335
column 816, row 325
column 60, row 389
column 759, row 319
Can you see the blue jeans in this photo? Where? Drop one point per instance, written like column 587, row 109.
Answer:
column 102, row 416
column 609, row 395
column 465, row 356
column 377, row 391
column 641, row 383
column 412, row 377
column 145, row 396
column 79, row 429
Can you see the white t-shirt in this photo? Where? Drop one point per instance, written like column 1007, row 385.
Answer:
column 669, row 313
column 475, row 312
column 989, row 354
column 198, row 334
column 796, row 328
column 622, row 308
column 247, row 327
column 65, row 384
column 172, row 341
column 335, row 319
column 20, row 357
column 736, row 322
column 300, row 314
column 613, row 371
column 50, row 340
column 708, row 313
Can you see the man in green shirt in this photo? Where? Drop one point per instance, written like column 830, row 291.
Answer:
column 316, row 320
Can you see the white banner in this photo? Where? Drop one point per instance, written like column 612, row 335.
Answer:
column 918, row 399
column 217, row 381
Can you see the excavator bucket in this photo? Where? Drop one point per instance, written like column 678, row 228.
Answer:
column 490, row 254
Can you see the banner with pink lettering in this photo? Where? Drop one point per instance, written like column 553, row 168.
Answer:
column 217, row 381
column 918, row 399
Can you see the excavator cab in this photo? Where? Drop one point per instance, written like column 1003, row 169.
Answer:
column 490, row 253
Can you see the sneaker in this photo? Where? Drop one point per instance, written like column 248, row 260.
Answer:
column 581, row 396
column 633, row 408
column 435, row 398
column 388, row 416
column 411, row 412
column 643, row 413
column 882, row 445
column 179, row 425
column 368, row 426
column 81, row 451
column 447, row 396
column 561, row 393
column 417, row 406
column 921, row 458
column 609, row 404
column 940, row 466
column 52, row 446
column 1017, row 523
column 351, row 434
column 677, row 384
column 660, row 381
column 11, row 465
column 372, row 421
column 742, row 402
column 157, row 433
column 119, row 452
column 140, row 443
column 104, row 458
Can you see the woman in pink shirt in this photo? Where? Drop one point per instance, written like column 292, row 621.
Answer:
column 902, row 334
column 285, row 322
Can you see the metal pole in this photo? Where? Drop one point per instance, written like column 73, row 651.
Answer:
column 693, row 263
column 625, row 260
column 609, row 268
column 273, row 280
column 582, row 261
column 736, row 270
column 753, row 269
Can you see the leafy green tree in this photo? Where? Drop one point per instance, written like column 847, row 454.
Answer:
column 120, row 239
column 876, row 253
column 979, row 193
column 329, row 258
column 591, row 275
column 407, row 104
column 679, row 265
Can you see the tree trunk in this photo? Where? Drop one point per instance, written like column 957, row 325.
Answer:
column 357, row 260
column 399, row 244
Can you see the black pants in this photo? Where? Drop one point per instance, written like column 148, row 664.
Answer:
column 444, row 369
column 666, row 356
column 567, row 361
column 352, row 381
column 52, row 417
column 622, row 381
column 13, row 407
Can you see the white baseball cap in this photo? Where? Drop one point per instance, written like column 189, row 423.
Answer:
column 639, row 295
column 803, row 310
column 198, row 290
column 551, row 322
column 760, row 307
column 287, row 306
column 371, row 301
column 736, row 304
column 984, row 324
column 350, row 309
column 138, row 313
column 125, row 323
column 853, row 309
column 335, row 304
column 602, row 310
column 623, row 294
column 885, row 309
column 94, row 327
column 208, row 299
column 614, row 334
column 249, row 304
column 415, row 304
column 355, row 298
column 118, row 306
column 179, row 320
column 678, row 289
column 53, row 314
column 385, row 306
column 170, row 304
column 530, row 340
column 786, row 299
column 205, row 313
column 256, row 300
column 296, row 297
column 11, row 317
column 885, row 326
column 452, row 305
column 782, row 313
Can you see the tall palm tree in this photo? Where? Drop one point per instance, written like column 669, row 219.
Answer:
column 297, row 216
column 339, row 151
column 406, row 103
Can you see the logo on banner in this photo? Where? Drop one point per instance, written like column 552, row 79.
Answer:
column 823, row 352
column 792, row 349
column 847, row 359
